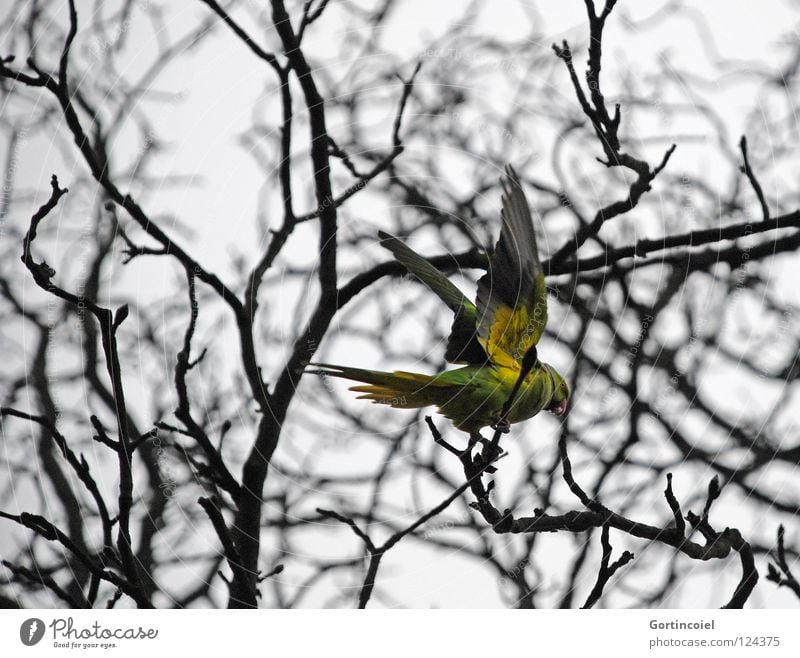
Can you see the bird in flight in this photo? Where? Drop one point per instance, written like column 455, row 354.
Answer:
column 502, row 380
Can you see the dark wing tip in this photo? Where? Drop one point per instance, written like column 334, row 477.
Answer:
column 511, row 180
column 390, row 242
column 511, row 174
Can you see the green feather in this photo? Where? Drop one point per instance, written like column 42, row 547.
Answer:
column 462, row 344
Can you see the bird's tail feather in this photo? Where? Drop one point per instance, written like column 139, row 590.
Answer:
column 406, row 390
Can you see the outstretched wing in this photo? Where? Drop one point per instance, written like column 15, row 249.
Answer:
column 512, row 295
column 463, row 345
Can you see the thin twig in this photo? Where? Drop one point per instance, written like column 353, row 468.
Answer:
column 606, row 570
column 748, row 171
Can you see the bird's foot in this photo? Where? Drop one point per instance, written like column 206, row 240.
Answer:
column 501, row 425
column 491, row 453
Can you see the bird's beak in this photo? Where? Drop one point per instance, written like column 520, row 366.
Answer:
column 559, row 408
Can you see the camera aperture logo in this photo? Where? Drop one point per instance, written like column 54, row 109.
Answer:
column 31, row 631
column 67, row 634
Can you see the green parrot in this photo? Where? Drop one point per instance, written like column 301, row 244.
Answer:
column 503, row 381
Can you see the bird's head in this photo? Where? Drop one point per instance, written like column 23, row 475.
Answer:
column 560, row 399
